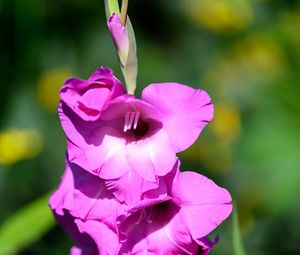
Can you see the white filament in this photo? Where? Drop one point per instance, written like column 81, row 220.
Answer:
column 131, row 120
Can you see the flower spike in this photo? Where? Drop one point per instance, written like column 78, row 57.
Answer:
column 123, row 191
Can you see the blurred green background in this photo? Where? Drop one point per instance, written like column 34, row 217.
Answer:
column 245, row 53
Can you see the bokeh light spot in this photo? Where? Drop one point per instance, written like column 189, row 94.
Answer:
column 16, row 145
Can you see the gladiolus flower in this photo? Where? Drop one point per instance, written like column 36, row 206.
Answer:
column 90, row 213
column 176, row 223
column 138, row 135
column 180, row 224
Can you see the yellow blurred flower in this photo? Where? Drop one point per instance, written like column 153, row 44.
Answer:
column 48, row 87
column 16, row 145
column 260, row 54
column 221, row 16
column 226, row 124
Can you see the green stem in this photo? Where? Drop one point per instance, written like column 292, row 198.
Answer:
column 238, row 247
column 111, row 6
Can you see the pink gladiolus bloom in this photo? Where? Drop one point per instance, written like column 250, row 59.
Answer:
column 141, row 136
column 179, row 225
column 88, row 98
column 88, row 211
column 175, row 224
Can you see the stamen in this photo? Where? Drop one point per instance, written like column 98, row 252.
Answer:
column 126, row 123
column 136, row 119
column 132, row 114
column 131, row 120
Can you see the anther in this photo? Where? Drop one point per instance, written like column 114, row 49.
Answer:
column 136, row 119
column 132, row 114
column 131, row 120
column 126, row 123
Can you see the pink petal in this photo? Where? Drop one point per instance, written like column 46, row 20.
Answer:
column 85, row 196
column 128, row 103
column 109, row 157
column 93, row 100
column 160, row 231
column 96, row 146
column 101, row 74
column 92, row 200
column 84, row 243
column 106, row 239
column 132, row 195
column 62, row 198
column 149, row 156
column 152, row 197
column 104, row 155
column 178, row 233
column 77, row 130
column 152, row 156
column 88, row 98
column 204, row 205
column 105, row 77
column 185, row 110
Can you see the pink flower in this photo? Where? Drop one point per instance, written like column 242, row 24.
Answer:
column 175, row 223
column 178, row 225
column 90, row 213
column 88, row 98
column 138, row 136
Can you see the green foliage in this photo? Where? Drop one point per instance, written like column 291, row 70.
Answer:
column 26, row 226
column 237, row 243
